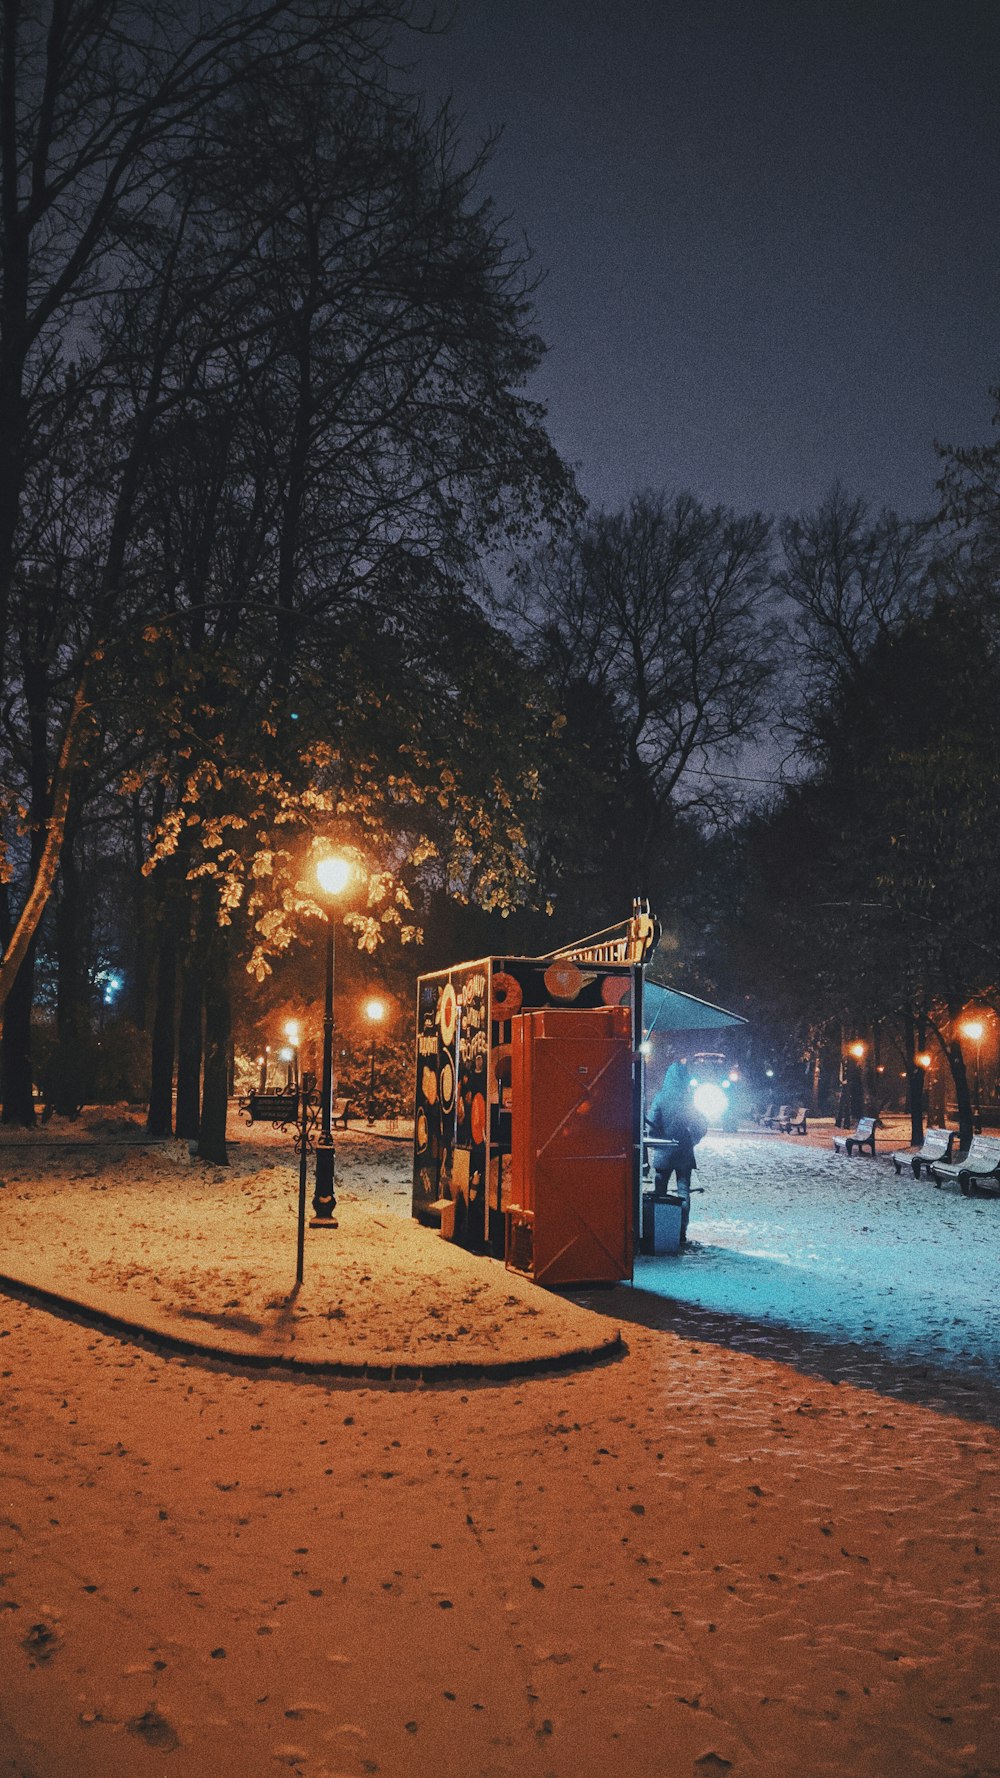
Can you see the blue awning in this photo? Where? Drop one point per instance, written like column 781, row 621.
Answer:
column 668, row 1009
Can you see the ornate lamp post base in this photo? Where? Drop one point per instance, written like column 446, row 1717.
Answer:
column 324, row 1197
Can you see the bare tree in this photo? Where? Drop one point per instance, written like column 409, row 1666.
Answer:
column 853, row 580
column 651, row 625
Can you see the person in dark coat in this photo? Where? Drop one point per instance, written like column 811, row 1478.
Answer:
column 672, row 1117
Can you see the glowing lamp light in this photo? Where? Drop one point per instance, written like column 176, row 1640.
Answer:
column 923, row 1060
column 710, row 1100
column 973, row 1029
column 333, row 874
column 856, row 1050
column 375, row 1010
column 292, row 1032
column 769, row 1073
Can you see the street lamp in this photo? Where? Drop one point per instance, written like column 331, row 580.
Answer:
column 857, row 1050
column 333, row 875
column 374, row 1013
column 973, row 1029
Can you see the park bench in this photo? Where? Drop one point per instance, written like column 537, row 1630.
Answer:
column 862, row 1137
column 937, row 1145
column 982, row 1163
column 793, row 1120
column 766, row 1118
column 342, row 1109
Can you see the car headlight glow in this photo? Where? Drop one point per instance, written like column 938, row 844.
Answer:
column 711, row 1101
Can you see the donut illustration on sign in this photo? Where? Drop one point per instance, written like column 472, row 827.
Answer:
column 477, row 1119
column 448, row 1015
column 421, row 1132
column 563, row 980
column 501, row 1064
column 615, row 989
column 447, row 1086
column 506, row 995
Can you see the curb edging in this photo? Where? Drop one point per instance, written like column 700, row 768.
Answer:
column 387, row 1373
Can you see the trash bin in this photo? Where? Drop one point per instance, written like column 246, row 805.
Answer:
column 661, row 1223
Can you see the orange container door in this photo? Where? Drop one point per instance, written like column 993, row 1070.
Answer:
column 571, row 1109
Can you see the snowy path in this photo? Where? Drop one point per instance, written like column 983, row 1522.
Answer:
column 808, row 1239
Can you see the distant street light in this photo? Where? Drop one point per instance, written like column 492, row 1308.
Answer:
column 973, row 1029
column 333, row 875
column 857, row 1050
column 374, row 1013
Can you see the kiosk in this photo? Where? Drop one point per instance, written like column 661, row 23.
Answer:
column 528, row 1115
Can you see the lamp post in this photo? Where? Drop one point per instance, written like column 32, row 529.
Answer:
column 333, row 875
column 292, row 1033
column 974, row 1028
column 924, row 1061
column 374, row 1013
column 854, row 1080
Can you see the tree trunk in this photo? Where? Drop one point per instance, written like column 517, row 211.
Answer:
column 45, row 860
column 15, row 1047
column 956, row 1062
column 218, row 1027
column 143, row 918
column 187, row 1117
column 915, row 1037
column 68, row 1084
column 159, row 1118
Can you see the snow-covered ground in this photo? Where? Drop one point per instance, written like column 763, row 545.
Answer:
column 708, row 1557
column 900, row 1281
column 801, row 1237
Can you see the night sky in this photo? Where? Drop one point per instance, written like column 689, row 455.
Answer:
column 769, row 230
